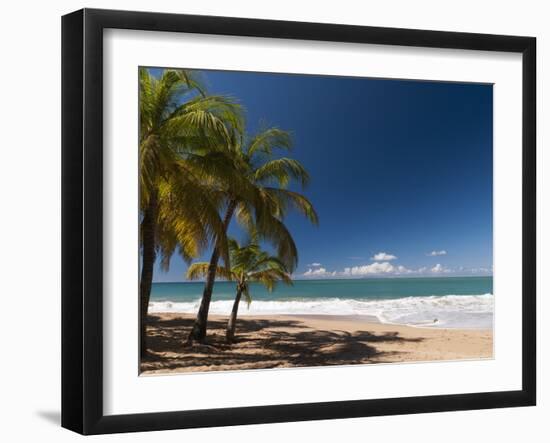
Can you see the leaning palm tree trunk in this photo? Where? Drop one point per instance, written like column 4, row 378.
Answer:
column 148, row 243
column 198, row 332
column 230, row 332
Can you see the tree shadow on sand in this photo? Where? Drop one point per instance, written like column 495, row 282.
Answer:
column 259, row 344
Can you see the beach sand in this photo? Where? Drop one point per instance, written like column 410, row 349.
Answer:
column 283, row 341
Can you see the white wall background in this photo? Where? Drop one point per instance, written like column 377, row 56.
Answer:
column 30, row 217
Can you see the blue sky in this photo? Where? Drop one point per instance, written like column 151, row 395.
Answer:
column 401, row 171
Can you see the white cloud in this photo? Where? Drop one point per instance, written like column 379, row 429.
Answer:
column 481, row 270
column 436, row 253
column 376, row 268
column 438, row 269
column 319, row 272
column 314, row 265
column 382, row 256
column 385, row 268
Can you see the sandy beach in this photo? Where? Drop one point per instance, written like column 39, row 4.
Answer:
column 299, row 341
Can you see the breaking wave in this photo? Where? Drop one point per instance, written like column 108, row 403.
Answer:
column 448, row 311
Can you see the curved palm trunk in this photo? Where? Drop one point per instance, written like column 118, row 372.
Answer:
column 199, row 327
column 231, row 324
column 148, row 225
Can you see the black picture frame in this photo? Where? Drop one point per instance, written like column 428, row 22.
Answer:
column 82, row 218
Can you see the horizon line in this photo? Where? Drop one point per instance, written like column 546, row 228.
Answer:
column 357, row 278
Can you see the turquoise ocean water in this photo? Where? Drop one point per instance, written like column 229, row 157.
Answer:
column 456, row 302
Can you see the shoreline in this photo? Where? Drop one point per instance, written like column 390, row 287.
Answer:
column 358, row 318
column 291, row 340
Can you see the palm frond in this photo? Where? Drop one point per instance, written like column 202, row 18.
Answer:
column 251, row 264
column 281, row 171
column 218, row 118
column 268, row 140
column 200, row 270
column 274, row 231
column 284, row 199
column 247, row 296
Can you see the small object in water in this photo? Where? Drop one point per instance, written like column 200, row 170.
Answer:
column 435, row 320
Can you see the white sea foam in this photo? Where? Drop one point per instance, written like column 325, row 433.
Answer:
column 449, row 311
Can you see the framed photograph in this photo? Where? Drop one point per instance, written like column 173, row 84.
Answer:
column 269, row 221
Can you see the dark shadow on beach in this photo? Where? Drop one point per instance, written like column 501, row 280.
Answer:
column 259, row 344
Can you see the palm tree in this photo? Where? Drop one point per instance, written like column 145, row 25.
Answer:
column 263, row 207
column 179, row 208
column 248, row 264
